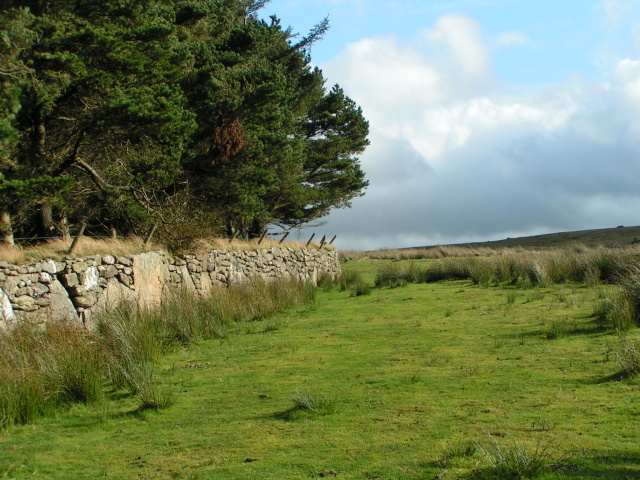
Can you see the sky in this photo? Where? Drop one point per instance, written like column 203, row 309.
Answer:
column 488, row 119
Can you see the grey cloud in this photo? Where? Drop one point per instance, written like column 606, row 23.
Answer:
column 448, row 168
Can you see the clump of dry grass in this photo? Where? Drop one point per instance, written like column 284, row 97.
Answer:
column 87, row 246
column 430, row 253
column 207, row 244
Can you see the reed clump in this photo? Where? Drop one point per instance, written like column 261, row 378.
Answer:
column 46, row 367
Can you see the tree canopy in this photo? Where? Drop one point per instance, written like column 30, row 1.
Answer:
column 193, row 115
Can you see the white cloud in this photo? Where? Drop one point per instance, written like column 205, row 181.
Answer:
column 616, row 11
column 455, row 157
column 621, row 19
column 461, row 37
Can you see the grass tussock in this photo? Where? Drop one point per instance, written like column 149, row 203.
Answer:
column 620, row 309
column 44, row 368
column 353, row 282
column 307, row 404
column 630, row 283
column 516, row 462
column 450, row 454
column 627, row 355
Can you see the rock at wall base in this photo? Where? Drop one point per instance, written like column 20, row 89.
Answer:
column 113, row 295
column 148, row 278
column 61, row 308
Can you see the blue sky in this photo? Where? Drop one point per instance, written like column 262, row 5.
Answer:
column 488, row 118
column 551, row 39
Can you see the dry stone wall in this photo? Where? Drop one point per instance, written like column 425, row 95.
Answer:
column 79, row 289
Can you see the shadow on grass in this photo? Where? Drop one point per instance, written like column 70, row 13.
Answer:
column 293, row 414
column 611, row 467
column 616, row 377
column 621, row 466
column 591, row 328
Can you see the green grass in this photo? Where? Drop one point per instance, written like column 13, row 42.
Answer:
column 44, row 368
column 413, row 380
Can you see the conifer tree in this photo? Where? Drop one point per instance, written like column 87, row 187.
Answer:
column 182, row 113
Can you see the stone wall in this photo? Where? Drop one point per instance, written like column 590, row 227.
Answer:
column 78, row 289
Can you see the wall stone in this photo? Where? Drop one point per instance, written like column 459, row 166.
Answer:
column 79, row 289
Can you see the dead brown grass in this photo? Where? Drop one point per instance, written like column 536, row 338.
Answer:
column 206, row 245
column 58, row 249
column 441, row 251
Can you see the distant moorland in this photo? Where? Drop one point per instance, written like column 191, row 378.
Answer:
column 605, row 237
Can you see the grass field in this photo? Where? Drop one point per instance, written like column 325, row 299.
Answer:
column 444, row 380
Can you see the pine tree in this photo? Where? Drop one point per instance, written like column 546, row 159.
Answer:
column 189, row 114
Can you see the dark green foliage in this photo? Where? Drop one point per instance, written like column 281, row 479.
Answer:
column 191, row 114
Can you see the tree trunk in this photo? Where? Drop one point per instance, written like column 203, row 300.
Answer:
column 5, row 227
column 63, row 228
column 47, row 225
column 255, row 229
